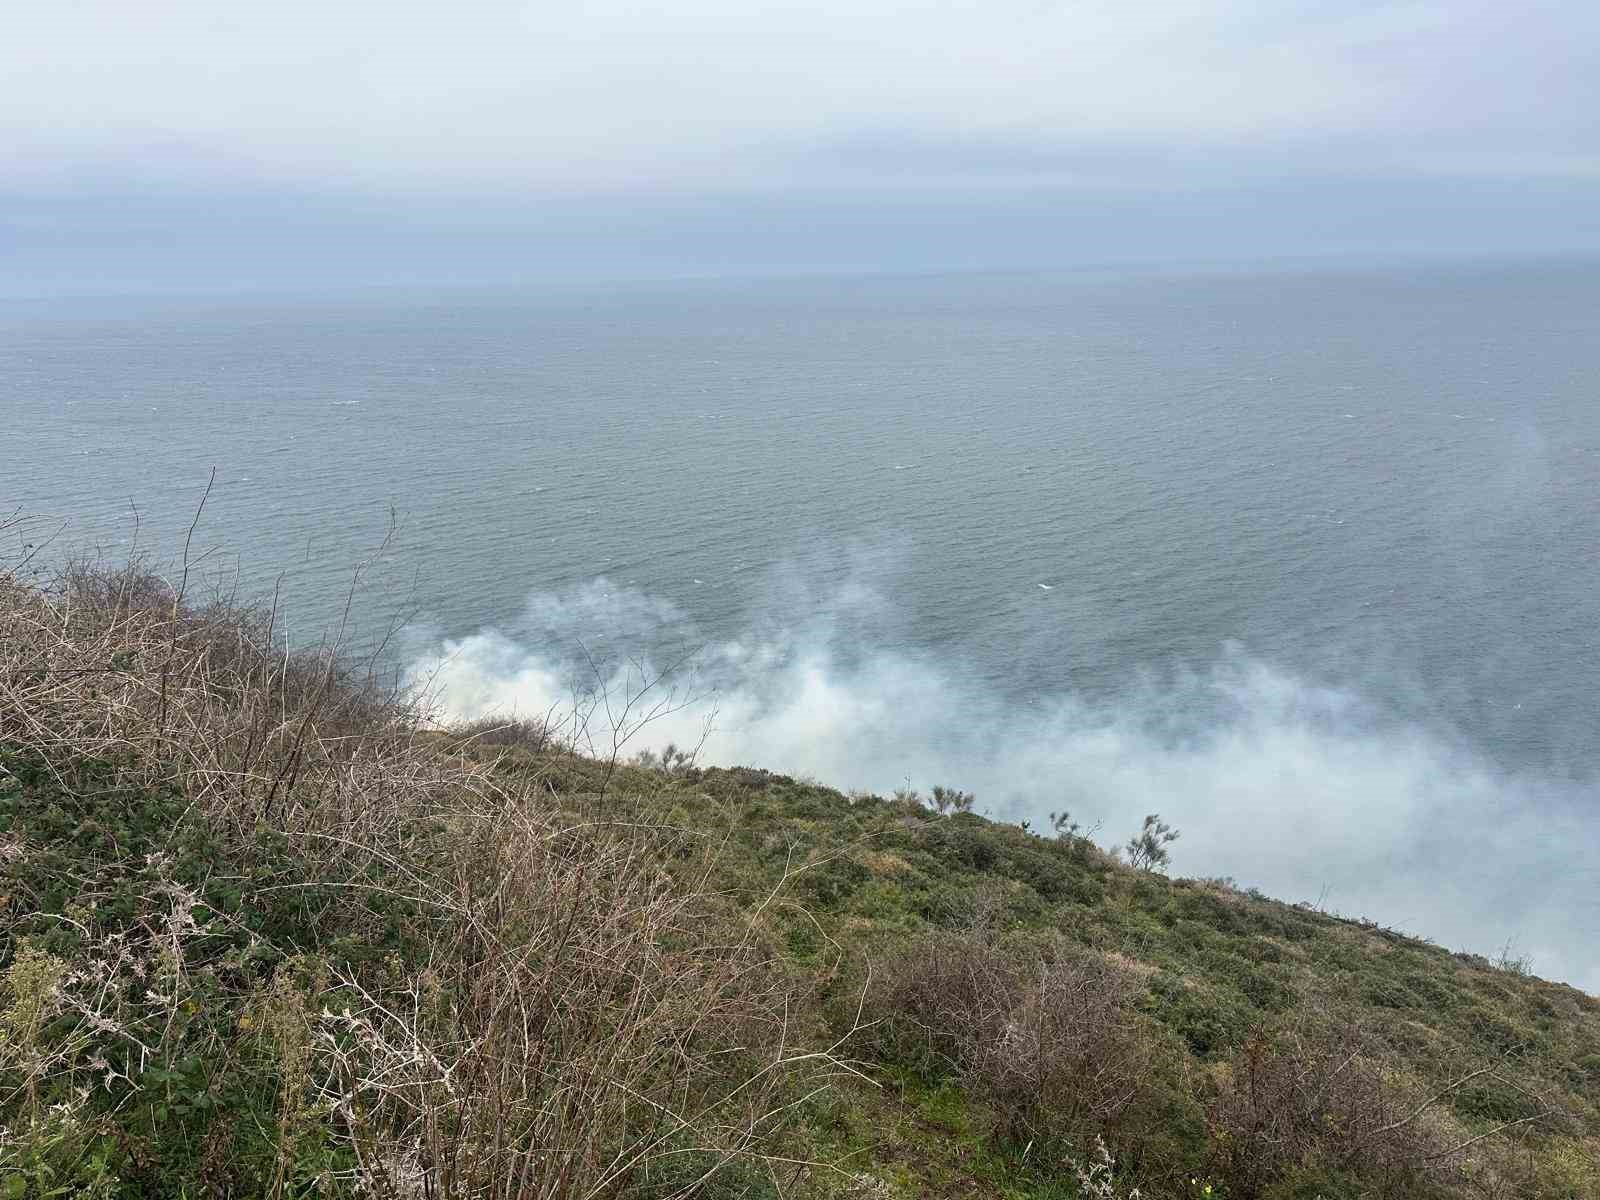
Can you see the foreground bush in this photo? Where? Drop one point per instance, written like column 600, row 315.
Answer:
column 1042, row 1033
column 1294, row 1101
column 1322, row 1100
column 259, row 939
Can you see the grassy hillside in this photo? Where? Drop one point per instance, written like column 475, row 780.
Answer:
column 263, row 933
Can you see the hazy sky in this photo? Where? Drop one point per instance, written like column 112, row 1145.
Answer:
column 401, row 140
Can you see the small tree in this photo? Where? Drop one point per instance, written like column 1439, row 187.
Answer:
column 670, row 761
column 1147, row 849
column 947, row 800
column 1063, row 824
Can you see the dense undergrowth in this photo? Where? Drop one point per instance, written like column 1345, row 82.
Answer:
column 264, row 933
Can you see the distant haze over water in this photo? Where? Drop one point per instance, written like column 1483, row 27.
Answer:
column 1307, row 562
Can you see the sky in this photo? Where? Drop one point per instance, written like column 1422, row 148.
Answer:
column 181, row 143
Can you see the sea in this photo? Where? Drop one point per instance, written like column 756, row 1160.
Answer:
column 1306, row 560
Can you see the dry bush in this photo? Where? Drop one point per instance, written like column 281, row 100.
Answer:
column 516, row 1005
column 535, row 735
column 584, row 1020
column 1043, row 1034
column 1320, row 1096
column 110, row 664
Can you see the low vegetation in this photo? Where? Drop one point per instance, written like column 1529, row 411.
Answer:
column 265, row 932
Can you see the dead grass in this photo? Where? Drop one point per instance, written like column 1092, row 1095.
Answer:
column 561, row 1016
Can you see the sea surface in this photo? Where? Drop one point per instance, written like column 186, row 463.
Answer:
column 1308, row 560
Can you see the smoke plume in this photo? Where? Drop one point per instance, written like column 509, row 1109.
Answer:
column 1306, row 790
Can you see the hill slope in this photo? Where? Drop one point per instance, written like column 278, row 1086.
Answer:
column 263, row 933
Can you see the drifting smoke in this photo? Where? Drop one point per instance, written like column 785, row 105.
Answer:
column 1306, row 791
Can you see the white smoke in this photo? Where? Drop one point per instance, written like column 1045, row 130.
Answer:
column 1307, row 791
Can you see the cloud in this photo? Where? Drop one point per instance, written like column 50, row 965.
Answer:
column 1306, row 790
column 724, row 94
